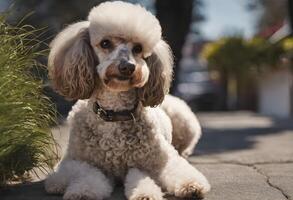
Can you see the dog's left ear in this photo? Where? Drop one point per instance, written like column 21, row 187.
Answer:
column 72, row 62
column 160, row 64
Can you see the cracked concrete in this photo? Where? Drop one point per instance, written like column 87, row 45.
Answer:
column 245, row 157
column 280, row 176
column 252, row 141
column 234, row 181
column 268, row 180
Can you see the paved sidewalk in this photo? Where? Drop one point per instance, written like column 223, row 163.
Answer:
column 244, row 156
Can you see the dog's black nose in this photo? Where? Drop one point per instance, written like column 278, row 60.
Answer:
column 126, row 68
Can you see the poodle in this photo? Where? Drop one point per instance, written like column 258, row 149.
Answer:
column 119, row 68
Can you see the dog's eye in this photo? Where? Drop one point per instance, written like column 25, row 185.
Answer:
column 106, row 44
column 137, row 49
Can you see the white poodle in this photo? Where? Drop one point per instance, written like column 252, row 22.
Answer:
column 118, row 63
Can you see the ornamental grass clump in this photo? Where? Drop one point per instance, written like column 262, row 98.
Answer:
column 26, row 142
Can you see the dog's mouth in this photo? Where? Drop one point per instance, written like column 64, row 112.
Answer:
column 122, row 83
column 114, row 80
column 118, row 78
column 118, row 83
column 122, row 78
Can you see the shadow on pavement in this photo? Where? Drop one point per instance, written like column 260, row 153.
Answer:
column 218, row 140
column 27, row 191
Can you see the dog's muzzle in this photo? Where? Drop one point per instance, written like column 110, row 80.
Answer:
column 126, row 68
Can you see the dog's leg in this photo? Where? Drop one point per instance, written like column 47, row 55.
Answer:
column 78, row 180
column 139, row 186
column 93, row 186
column 180, row 178
column 57, row 182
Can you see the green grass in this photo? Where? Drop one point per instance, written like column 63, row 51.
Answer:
column 26, row 142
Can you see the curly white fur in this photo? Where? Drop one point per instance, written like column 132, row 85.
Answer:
column 144, row 153
column 139, row 185
column 138, row 25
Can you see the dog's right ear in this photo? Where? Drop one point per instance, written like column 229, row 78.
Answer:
column 72, row 62
column 160, row 64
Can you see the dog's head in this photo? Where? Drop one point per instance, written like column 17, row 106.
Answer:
column 119, row 48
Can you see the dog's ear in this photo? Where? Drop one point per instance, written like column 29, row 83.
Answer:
column 160, row 64
column 72, row 62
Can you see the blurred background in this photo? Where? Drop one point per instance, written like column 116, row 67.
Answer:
column 233, row 64
column 229, row 55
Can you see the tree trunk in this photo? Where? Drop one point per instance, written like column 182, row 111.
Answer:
column 247, row 92
column 175, row 18
column 224, row 90
column 232, row 92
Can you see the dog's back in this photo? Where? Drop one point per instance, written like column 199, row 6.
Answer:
column 186, row 128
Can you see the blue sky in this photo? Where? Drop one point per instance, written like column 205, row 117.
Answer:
column 225, row 17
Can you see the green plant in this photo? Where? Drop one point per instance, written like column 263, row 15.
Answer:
column 26, row 142
column 239, row 61
column 287, row 44
column 229, row 54
column 264, row 55
column 240, row 56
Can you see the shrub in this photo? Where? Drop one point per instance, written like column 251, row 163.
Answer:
column 26, row 142
column 240, row 61
column 240, row 56
column 264, row 55
column 229, row 54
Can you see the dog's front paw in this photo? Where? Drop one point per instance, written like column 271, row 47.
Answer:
column 54, row 189
column 79, row 196
column 81, row 191
column 144, row 197
column 54, row 184
column 190, row 190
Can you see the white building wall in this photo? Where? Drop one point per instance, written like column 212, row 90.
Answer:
column 274, row 93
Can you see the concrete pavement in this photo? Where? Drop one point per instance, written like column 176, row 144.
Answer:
column 245, row 157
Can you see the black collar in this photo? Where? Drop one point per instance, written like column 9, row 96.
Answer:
column 112, row 116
